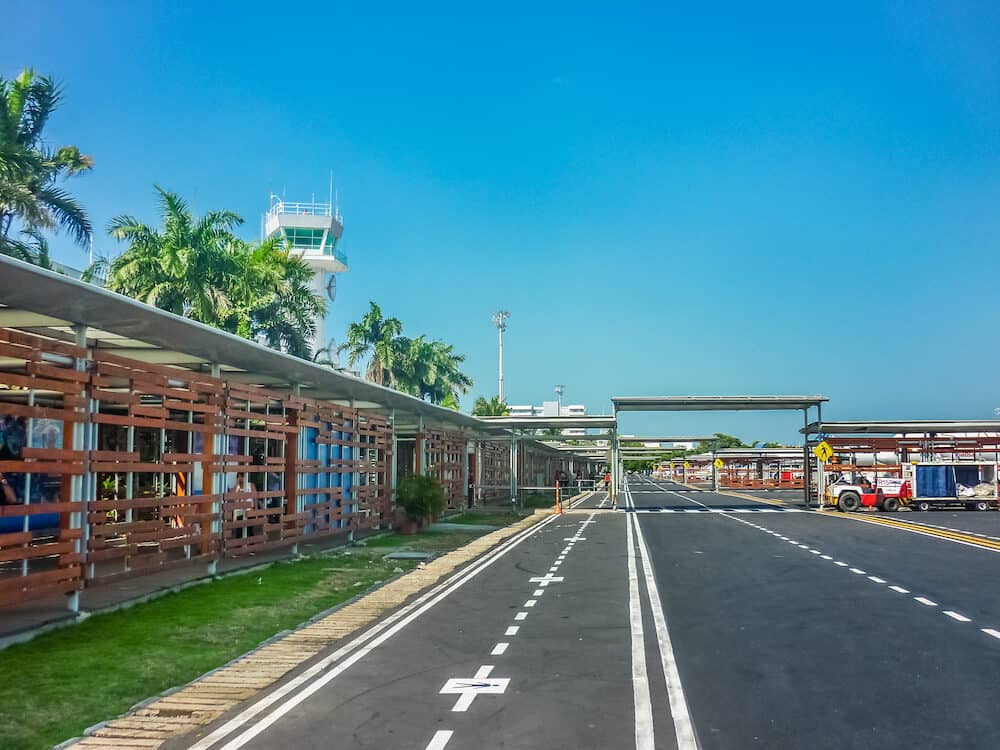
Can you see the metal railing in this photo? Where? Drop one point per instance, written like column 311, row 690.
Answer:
column 299, row 208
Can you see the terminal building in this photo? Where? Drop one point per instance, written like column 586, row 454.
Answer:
column 551, row 409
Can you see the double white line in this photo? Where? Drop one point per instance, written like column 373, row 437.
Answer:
column 298, row 689
column 681, row 717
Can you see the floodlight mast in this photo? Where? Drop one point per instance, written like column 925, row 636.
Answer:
column 500, row 321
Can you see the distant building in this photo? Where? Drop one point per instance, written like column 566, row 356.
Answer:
column 551, row 409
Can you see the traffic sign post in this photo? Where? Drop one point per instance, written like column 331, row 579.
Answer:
column 823, row 451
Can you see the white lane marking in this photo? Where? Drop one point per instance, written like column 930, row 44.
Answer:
column 992, row 632
column 814, row 551
column 440, row 739
column 470, row 688
column 530, row 603
column 876, row 579
column 553, row 569
column 957, row 616
column 499, row 649
column 826, row 557
column 640, row 679
column 857, row 571
column 683, row 726
column 900, row 589
column 925, row 601
column 546, row 579
column 321, row 673
column 512, row 630
column 538, row 592
column 841, row 564
column 520, row 616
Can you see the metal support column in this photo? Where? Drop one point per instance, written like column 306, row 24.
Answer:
column 300, row 451
column 715, row 474
column 820, row 466
column 81, row 486
column 806, row 478
column 513, row 471
column 418, row 449
column 218, row 485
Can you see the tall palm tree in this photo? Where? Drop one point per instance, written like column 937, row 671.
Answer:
column 196, row 267
column 374, row 338
column 30, row 196
column 184, row 268
column 429, row 370
column 493, row 407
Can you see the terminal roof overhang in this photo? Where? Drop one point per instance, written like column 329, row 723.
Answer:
column 896, row 427
column 715, row 403
column 48, row 304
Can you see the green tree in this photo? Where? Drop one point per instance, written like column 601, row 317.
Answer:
column 493, row 407
column 375, row 339
column 429, row 370
column 31, row 199
column 721, row 440
column 197, row 268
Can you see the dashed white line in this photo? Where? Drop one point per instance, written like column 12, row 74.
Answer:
column 440, row 739
column 530, row 603
column 826, row 557
column 857, row 571
column 957, row 616
column 538, row 592
column 992, row 632
column 521, row 616
column 841, row 564
column 876, row 579
column 925, row 601
column 900, row 589
column 499, row 649
column 512, row 630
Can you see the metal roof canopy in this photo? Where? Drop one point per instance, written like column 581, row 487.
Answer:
column 765, row 453
column 715, row 403
column 555, row 423
column 894, row 427
column 49, row 304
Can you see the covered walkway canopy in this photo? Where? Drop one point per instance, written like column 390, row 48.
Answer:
column 901, row 427
column 722, row 403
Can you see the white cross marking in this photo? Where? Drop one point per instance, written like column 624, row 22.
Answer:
column 546, row 579
column 468, row 688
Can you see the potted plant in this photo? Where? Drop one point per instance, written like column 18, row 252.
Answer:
column 419, row 499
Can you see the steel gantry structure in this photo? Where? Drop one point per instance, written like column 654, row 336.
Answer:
column 716, row 403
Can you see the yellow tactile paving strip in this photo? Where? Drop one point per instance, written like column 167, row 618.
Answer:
column 204, row 700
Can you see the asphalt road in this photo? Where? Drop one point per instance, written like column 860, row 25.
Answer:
column 686, row 619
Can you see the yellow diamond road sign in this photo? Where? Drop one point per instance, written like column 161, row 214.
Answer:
column 823, row 451
column 718, row 463
column 687, row 465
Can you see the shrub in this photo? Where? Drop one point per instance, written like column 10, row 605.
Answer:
column 420, row 497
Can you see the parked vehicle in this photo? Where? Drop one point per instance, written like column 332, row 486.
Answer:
column 853, row 490
column 967, row 484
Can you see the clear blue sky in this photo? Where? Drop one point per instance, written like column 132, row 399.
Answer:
column 695, row 200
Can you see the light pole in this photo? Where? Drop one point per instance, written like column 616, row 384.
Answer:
column 500, row 321
column 559, row 393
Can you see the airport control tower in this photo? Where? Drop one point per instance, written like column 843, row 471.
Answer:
column 313, row 229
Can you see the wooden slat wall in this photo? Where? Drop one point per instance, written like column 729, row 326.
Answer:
column 324, row 507
column 445, row 460
column 40, row 552
column 494, row 474
column 135, row 438
column 260, row 516
column 374, row 490
column 154, row 518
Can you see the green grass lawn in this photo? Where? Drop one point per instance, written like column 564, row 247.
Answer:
column 541, row 500
column 56, row 685
column 425, row 541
